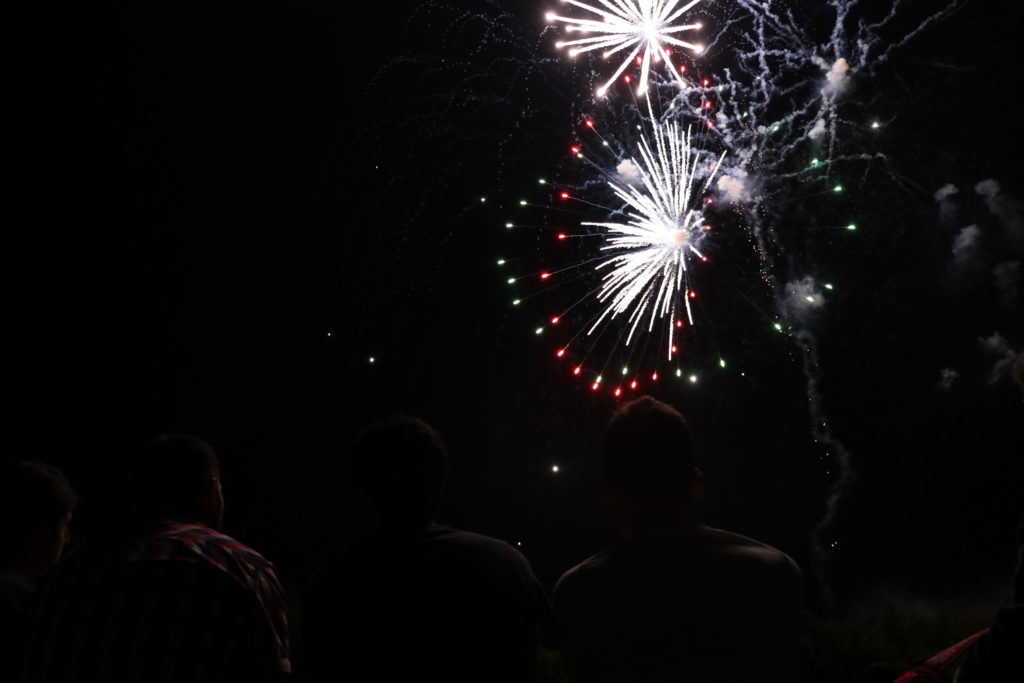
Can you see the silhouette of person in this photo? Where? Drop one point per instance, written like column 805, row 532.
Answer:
column 997, row 656
column 171, row 600
column 408, row 599
column 676, row 600
column 36, row 502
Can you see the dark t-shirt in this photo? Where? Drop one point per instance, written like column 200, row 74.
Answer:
column 440, row 605
column 696, row 604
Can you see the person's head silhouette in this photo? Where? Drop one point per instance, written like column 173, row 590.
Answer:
column 178, row 476
column 397, row 470
column 36, row 502
column 650, row 479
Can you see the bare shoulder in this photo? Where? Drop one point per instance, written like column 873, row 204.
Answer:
column 748, row 550
column 571, row 579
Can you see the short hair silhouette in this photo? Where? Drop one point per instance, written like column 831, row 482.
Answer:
column 648, row 452
column 32, row 495
column 172, row 474
column 400, row 464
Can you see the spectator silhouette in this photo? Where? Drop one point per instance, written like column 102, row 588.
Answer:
column 36, row 502
column 407, row 599
column 174, row 600
column 675, row 600
column 997, row 656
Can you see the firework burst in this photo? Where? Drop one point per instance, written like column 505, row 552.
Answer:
column 631, row 26
column 647, row 273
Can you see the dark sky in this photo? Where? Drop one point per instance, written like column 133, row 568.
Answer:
column 221, row 212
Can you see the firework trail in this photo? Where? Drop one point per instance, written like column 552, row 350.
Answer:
column 779, row 109
column 782, row 101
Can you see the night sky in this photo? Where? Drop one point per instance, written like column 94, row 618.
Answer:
column 221, row 213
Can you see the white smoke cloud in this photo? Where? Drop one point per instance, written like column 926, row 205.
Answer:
column 987, row 188
column 628, row 172
column 947, row 377
column 945, row 192
column 733, row 187
column 818, row 131
column 965, row 245
column 837, row 76
column 943, row 196
column 1009, row 211
column 998, row 347
column 1007, row 281
column 802, row 298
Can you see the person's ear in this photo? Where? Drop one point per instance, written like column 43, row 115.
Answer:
column 696, row 486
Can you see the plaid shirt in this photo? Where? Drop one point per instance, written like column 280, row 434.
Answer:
column 183, row 603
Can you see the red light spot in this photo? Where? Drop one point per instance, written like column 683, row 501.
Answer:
column 618, row 391
column 562, row 235
column 711, row 124
column 632, row 385
column 561, row 352
column 575, row 149
column 545, row 276
column 693, row 294
column 577, row 370
column 639, row 60
column 707, row 104
column 554, row 321
column 627, row 78
column 709, row 200
column 705, row 82
column 675, row 349
column 704, row 259
column 679, row 323
column 590, row 124
column 682, row 68
column 564, row 195
column 595, row 386
column 707, row 228
column 654, row 377
column 668, row 50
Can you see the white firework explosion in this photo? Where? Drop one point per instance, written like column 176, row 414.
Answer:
column 648, row 271
column 638, row 24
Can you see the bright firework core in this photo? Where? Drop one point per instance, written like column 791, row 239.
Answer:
column 645, row 25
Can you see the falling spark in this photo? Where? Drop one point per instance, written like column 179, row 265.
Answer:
column 643, row 25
